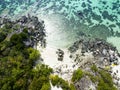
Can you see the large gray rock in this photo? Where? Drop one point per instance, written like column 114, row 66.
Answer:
column 85, row 84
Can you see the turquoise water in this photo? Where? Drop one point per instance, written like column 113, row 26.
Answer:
column 67, row 20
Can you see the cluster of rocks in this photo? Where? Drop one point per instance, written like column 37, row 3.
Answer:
column 75, row 46
column 116, row 79
column 103, row 52
column 63, row 69
column 87, row 52
column 60, row 54
column 115, row 73
column 4, row 20
column 34, row 26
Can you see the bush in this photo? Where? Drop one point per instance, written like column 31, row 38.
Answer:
column 77, row 75
column 94, row 68
column 42, row 70
column 106, row 77
column 92, row 77
column 33, row 54
column 105, row 82
column 46, row 86
column 104, row 86
column 54, row 80
column 2, row 36
column 72, row 87
column 15, row 39
column 23, row 36
column 57, row 81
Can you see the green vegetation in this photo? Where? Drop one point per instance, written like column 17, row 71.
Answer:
column 7, row 28
column 103, row 78
column 57, row 81
column 46, row 86
column 41, row 78
column 93, row 78
column 105, row 82
column 77, row 75
column 17, row 63
column 2, row 36
column 94, row 68
column 72, row 87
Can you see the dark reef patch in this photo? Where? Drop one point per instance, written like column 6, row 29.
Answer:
column 106, row 15
column 96, row 17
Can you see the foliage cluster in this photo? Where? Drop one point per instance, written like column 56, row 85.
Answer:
column 94, row 68
column 105, row 82
column 17, row 63
column 104, row 79
column 57, row 81
column 77, row 75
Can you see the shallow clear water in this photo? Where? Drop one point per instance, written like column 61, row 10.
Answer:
column 67, row 20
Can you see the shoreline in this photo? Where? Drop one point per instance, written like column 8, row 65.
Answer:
column 65, row 69
column 51, row 59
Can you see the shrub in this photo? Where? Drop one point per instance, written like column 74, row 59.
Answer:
column 57, row 81
column 16, row 39
column 105, row 82
column 46, row 86
column 2, row 36
column 72, row 87
column 106, row 77
column 77, row 75
column 33, row 54
column 104, row 86
column 94, row 68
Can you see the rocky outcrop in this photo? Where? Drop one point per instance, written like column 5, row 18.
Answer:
column 34, row 27
column 85, row 84
column 88, row 52
column 103, row 52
